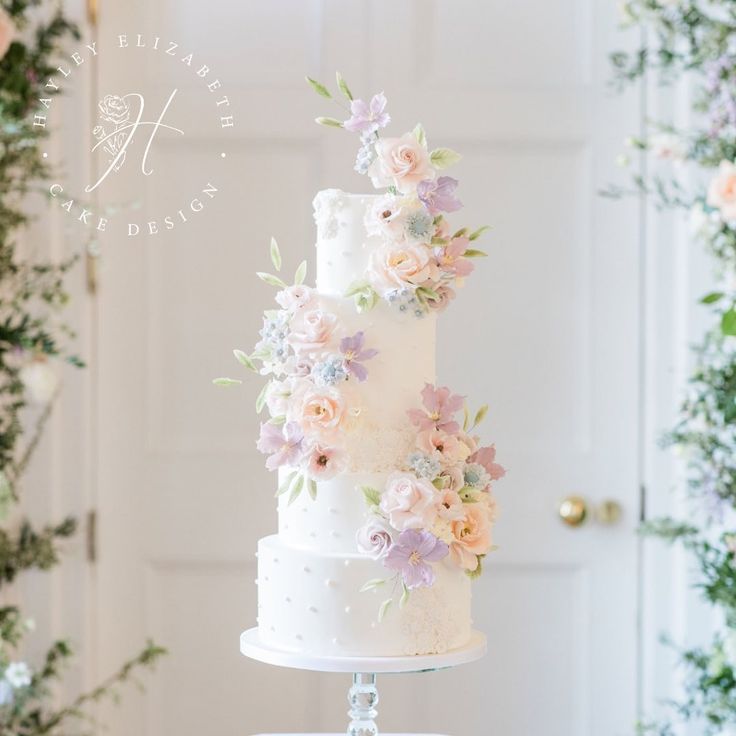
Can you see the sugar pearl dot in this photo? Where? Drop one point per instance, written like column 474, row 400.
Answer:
column 336, row 641
column 299, row 637
column 347, row 563
column 311, row 609
column 306, row 568
column 256, row 581
column 332, row 510
column 347, row 609
column 286, row 526
column 304, row 509
column 313, row 534
column 265, row 578
column 330, row 583
column 287, row 599
column 334, row 534
column 373, row 624
column 273, row 628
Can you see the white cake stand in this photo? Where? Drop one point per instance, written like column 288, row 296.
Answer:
column 363, row 694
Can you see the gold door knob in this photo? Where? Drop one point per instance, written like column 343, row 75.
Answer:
column 573, row 510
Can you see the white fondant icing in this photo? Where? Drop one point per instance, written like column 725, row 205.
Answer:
column 434, row 620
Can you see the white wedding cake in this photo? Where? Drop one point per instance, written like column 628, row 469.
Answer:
column 385, row 504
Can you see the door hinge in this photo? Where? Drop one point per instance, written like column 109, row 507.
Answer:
column 93, row 12
column 642, row 503
column 92, row 536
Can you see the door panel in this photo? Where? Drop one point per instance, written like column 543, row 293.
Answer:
column 546, row 332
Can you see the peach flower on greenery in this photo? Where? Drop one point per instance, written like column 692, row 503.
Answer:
column 400, row 162
column 320, row 411
column 323, row 463
column 451, row 507
column 312, row 331
column 409, row 502
column 394, row 267
column 450, row 448
column 7, row 32
column 722, row 190
column 472, row 536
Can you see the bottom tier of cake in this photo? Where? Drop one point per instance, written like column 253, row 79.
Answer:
column 311, row 602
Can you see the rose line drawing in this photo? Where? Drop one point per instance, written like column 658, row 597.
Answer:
column 113, row 109
column 116, row 109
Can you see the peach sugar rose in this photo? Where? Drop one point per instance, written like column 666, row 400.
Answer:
column 401, row 162
column 471, row 535
column 722, row 190
column 396, row 267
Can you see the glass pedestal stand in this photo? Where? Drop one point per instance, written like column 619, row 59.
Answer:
column 363, row 694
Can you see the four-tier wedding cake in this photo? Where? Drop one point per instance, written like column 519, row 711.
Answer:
column 384, row 490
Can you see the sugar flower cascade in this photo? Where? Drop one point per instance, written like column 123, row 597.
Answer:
column 422, row 261
column 333, row 379
column 440, row 504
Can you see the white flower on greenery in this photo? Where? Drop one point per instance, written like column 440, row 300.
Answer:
column 40, row 380
column 18, row 674
column 668, row 147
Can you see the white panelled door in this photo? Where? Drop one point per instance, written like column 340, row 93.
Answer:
column 546, row 331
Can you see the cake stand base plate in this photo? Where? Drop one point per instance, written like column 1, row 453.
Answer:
column 252, row 646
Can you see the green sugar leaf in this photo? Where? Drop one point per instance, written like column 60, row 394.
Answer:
column 319, row 88
column 328, row 122
column 243, row 359
column 261, row 400
column 442, row 158
column 420, row 135
column 269, row 278
column 287, row 482
column 477, row 233
column 712, row 298
column 371, row 495
column 296, row 489
column 474, row 253
column 343, row 87
column 301, row 272
column 312, row 488
column 275, row 254
column 384, row 609
column 373, row 584
column 226, row 381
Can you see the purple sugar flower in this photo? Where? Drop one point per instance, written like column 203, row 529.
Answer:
column 282, row 445
column 368, row 117
column 410, row 554
column 440, row 407
column 438, row 195
column 352, row 349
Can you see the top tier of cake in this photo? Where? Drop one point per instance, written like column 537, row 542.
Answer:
column 343, row 246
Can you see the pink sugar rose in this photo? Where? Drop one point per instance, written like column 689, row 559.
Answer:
column 409, row 502
column 374, row 538
column 294, row 298
column 7, row 32
column 472, row 536
column 452, row 451
column 445, row 294
column 319, row 410
column 312, row 331
column 394, row 267
column 722, row 190
column 323, row 463
column 401, row 162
